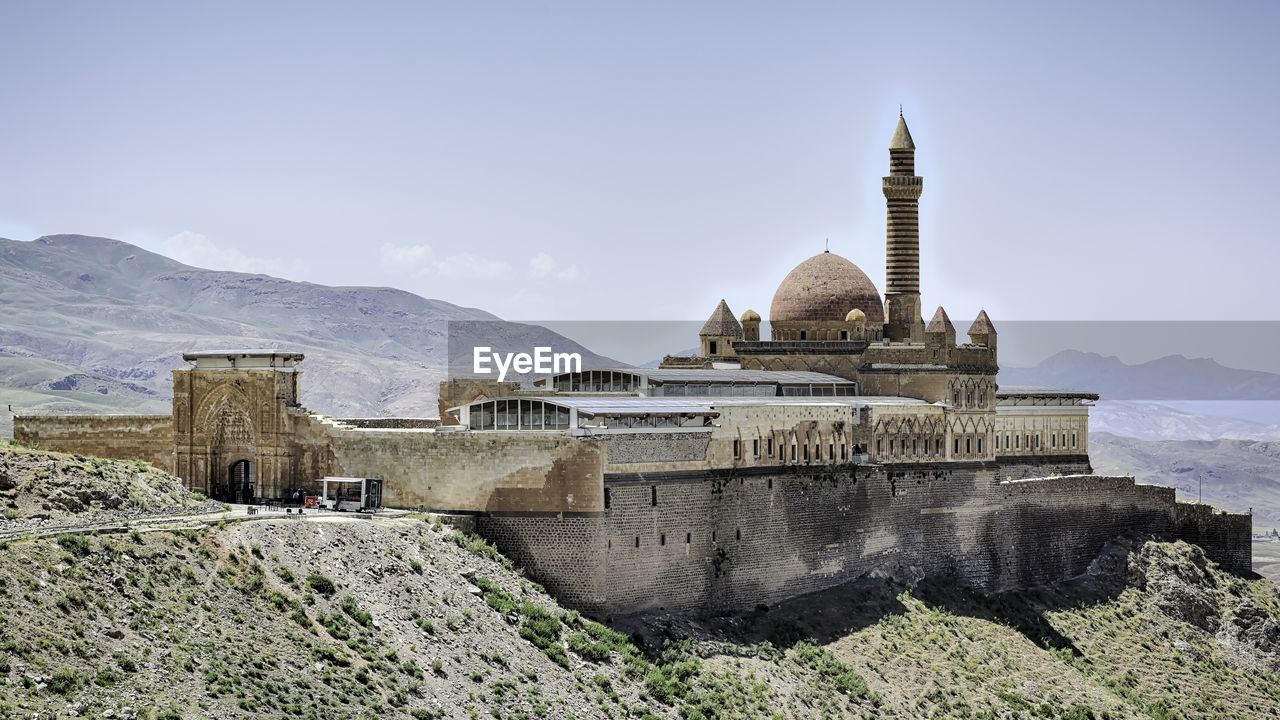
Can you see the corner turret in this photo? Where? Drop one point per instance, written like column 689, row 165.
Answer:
column 719, row 332
column 982, row 332
column 940, row 331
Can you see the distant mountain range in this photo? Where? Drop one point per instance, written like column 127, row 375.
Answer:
column 1156, row 421
column 1173, row 377
column 93, row 324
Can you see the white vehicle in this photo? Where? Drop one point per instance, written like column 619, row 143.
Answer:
column 351, row 494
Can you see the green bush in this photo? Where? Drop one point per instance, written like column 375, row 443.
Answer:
column 581, row 644
column 477, row 545
column 495, row 597
column 349, row 606
column 321, row 584
column 542, row 629
column 75, row 544
column 831, row 668
column 64, row 681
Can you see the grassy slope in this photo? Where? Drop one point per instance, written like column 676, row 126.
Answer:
column 241, row 621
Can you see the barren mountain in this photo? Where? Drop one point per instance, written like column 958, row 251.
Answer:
column 115, row 319
column 1157, row 421
column 1238, row 474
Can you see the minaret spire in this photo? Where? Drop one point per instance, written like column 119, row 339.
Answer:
column 902, row 190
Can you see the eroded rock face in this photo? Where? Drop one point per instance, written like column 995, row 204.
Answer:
column 1252, row 632
column 1180, row 583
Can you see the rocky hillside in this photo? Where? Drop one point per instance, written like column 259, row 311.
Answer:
column 352, row 618
column 42, row 489
column 97, row 324
column 1238, row 474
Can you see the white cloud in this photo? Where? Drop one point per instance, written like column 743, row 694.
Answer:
column 420, row 260
column 196, row 249
column 543, row 265
column 407, row 257
column 467, row 265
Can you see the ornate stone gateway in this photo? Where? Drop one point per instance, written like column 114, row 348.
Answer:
column 232, row 440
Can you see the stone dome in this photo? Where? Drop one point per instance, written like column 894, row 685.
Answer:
column 750, row 316
column 825, row 288
column 856, row 317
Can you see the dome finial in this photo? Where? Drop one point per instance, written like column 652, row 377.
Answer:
column 899, row 109
column 827, row 247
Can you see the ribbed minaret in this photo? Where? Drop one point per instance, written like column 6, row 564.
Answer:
column 902, row 266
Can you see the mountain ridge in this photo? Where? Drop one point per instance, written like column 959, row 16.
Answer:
column 109, row 308
column 1170, row 377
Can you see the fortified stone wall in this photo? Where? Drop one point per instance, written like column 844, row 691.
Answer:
column 494, row 472
column 566, row 554
column 123, row 437
column 1046, row 529
column 1227, row 538
column 730, row 540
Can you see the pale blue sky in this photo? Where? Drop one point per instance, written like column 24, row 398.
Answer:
column 594, row 160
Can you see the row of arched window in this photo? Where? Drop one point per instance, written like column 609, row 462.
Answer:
column 812, row 450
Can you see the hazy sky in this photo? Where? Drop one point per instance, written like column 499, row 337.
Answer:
column 602, row 160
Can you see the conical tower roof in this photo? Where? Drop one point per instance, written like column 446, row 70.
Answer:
column 982, row 325
column 902, row 136
column 940, row 323
column 722, row 323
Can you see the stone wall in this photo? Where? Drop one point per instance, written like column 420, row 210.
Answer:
column 491, row 472
column 124, row 437
column 1047, row 529
column 726, row 541
column 565, row 554
column 657, row 447
column 1227, row 538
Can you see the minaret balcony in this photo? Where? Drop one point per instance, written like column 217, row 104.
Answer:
column 899, row 187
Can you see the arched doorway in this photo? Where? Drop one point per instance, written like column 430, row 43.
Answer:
column 241, row 477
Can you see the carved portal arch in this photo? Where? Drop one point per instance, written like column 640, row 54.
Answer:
column 223, row 416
